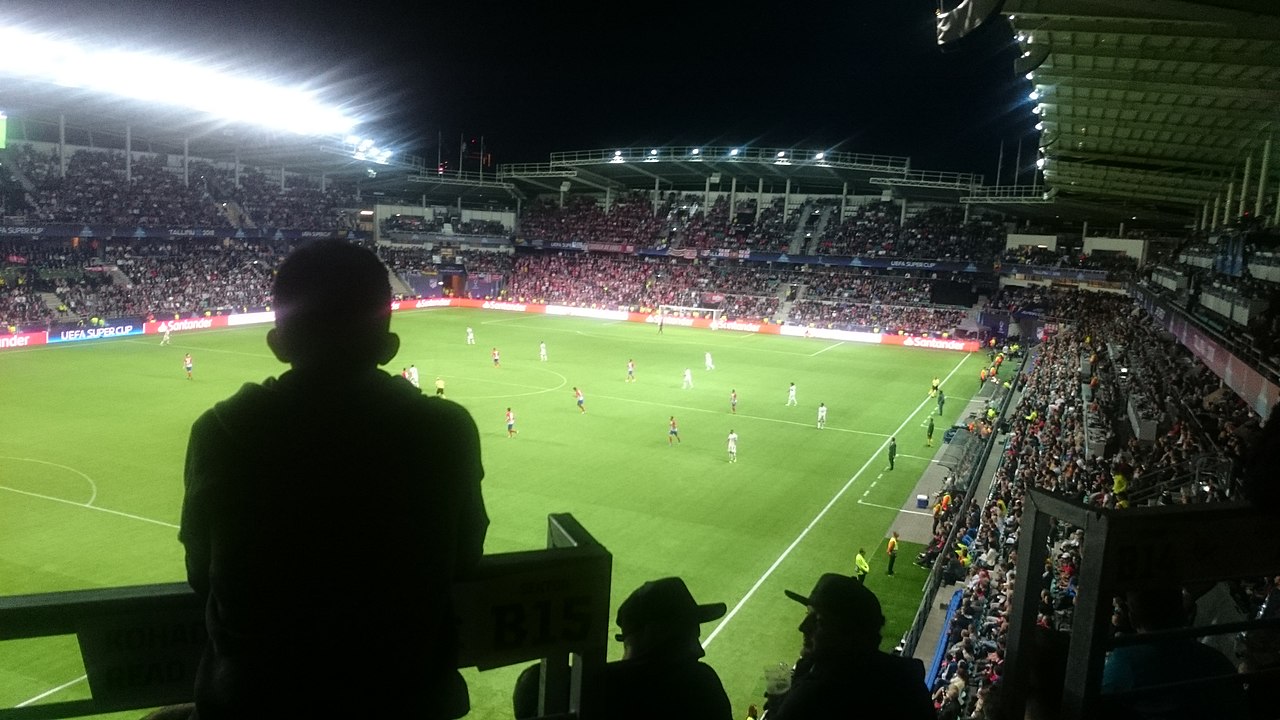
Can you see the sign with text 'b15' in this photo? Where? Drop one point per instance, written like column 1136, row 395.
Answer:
column 530, row 605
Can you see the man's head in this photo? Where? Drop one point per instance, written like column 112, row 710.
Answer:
column 844, row 617
column 332, row 302
column 661, row 615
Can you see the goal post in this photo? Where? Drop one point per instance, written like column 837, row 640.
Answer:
column 715, row 315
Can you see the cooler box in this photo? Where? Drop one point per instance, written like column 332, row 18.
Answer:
column 922, row 501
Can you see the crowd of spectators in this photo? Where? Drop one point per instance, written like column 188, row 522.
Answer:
column 1045, row 447
column 630, row 219
column 76, row 284
column 436, row 225
column 104, row 187
column 937, row 233
column 97, row 189
column 139, row 277
column 1117, row 265
column 811, row 227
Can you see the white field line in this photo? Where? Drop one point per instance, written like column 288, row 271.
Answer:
column 51, row 691
column 90, row 507
column 819, row 352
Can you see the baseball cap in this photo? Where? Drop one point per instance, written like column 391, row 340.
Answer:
column 843, row 596
column 666, row 601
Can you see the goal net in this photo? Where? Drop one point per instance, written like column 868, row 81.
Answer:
column 715, row 315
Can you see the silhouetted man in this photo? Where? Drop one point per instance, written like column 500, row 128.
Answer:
column 660, row 673
column 327, row 512
column 841, row 672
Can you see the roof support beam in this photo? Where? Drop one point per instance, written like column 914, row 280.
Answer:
column 1264, row 93
column 1061, row 46
column 1194, row 111
column 1068, row 142
column 1135, row 192
column 1067, row 117
column 1158, row 163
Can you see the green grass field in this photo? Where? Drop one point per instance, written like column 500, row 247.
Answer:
column 94, row 438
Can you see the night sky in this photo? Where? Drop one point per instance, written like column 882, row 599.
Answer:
column 537, row 77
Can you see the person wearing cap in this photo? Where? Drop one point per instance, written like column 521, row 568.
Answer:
column 860, row 561
column 841, row 672
column 660, row 625
column 660, row 673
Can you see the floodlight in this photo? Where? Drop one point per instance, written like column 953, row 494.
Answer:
column 1041, row 162
column 734, row 152
column 694, row 151
column 1040, row 125
column 150, row 78
column 781, row 154
column 1031, row 75
column 653, row 152
column 1035, row 95
column 819, row 156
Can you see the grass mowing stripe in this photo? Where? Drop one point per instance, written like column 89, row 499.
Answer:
column 752, row 591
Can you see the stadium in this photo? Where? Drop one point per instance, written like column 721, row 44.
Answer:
column 1066, row 381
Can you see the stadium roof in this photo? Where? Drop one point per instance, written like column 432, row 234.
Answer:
column 1149, row 109
column 1153, row 106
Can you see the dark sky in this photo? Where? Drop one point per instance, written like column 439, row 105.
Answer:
column 536, row 77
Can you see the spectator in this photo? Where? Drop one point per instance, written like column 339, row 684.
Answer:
column 1165, row 661
column 322, row 600
column 841, row 672
column 660, row 673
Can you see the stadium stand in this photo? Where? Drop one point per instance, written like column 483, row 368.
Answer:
column 1111, row 411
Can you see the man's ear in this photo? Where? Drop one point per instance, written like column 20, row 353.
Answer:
column 278, row 346
column 390, row 345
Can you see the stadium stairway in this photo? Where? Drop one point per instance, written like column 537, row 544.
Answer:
column 399, row 288
column 797, row 237
column 784, row 309
column 51, row 300
column 811, row 242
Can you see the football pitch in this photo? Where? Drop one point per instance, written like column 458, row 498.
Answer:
column 94, row 437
